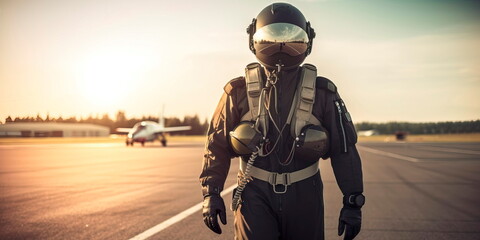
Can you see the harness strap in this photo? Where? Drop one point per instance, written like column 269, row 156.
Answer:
column 256, row 98
column 285, row 179
column 253, row 79
column 304, row 99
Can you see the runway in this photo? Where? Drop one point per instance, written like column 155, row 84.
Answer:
column 109, row 191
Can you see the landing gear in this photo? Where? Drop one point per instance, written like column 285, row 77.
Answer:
column 163, row 140
column 129, row 143
column 143, row 143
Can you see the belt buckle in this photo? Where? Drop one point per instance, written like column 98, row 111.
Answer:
column 285, row 184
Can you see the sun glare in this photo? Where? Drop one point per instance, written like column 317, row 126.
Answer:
column 106, row 78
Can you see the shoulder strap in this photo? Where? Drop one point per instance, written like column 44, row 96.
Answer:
column 253, row 80
column 255, row 96
column 301, row 111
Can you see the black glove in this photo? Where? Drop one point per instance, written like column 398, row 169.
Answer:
column 212, row 206
column 350, row 221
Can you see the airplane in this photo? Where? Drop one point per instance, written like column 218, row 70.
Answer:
column 148, row 131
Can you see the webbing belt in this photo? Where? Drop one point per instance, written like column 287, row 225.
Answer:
column 284, row 179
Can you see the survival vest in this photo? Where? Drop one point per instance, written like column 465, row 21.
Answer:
column 300, row 113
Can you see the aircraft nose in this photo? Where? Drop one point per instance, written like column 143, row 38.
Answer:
column 138, row 133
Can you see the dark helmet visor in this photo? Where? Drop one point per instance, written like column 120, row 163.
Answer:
column 281, row 38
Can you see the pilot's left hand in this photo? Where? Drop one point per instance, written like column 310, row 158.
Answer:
column 350, row 222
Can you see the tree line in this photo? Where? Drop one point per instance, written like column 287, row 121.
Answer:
column 421, row 128
column 121, row 121
column 200, row 128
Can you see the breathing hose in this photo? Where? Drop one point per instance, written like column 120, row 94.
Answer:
column 243, row 181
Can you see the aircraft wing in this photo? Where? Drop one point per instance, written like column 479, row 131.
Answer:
column 123, row 130
column 173, row 129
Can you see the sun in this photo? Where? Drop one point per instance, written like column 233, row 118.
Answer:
column 105, row 79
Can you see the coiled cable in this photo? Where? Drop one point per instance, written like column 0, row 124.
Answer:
column 243, row 181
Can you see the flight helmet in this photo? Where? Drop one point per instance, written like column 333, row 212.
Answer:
column 280, row 35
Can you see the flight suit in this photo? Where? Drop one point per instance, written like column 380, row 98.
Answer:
column 298, row 213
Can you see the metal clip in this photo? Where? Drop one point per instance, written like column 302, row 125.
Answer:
column 279, row 192
column 285, row 181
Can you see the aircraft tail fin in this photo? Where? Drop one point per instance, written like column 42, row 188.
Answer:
column 161, row 118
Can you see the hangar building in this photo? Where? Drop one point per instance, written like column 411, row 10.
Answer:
column 53, row 130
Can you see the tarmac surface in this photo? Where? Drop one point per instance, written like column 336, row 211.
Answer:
column 109, row 191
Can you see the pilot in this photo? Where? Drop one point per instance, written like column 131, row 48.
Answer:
column 281, row 119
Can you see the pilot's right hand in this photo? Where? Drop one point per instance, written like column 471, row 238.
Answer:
column 213, row 205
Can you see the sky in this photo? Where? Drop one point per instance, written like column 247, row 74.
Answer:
column 415, row 61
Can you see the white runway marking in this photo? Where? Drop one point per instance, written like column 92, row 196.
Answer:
column 392, row 155
column 57, row 145
column 463, row 151
column 177, row 218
